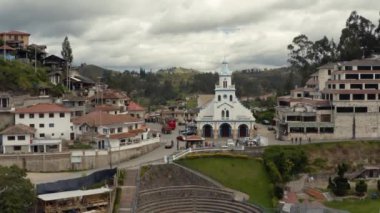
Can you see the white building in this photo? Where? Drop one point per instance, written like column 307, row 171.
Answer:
column 17, row 139
column 51, row 121
column 339, row 101
column 110, row 130
column 225, row 116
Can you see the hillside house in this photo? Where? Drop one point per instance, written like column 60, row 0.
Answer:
column 17, row 139
column 51, row 121
column 110, row 97
column 15, row 39
column 135, row 110
column 109, row 130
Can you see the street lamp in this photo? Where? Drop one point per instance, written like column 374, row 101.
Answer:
column 109, row 148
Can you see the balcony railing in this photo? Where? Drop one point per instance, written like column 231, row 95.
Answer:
column 228, row 87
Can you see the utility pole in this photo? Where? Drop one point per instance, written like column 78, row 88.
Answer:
column 35, row 58
column 5, row 43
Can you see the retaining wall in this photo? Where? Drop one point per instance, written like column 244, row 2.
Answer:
column 77, row 160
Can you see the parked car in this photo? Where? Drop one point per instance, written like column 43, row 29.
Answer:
column 270, row 128
column 188, row 132
column 169, row 146
column 265, row 122
column 230, row 143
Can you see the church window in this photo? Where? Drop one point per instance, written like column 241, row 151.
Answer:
column 230, row 97
column 224, row 84
column 227, row 113
column 219, row 97
column 222, row 113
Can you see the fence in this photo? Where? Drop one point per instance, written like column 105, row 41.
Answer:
column 75, row 183
column 78, row 160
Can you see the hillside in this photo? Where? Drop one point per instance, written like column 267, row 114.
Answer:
column 155, row 88
column 325, row 156
column 92, row 71
column 20, row 77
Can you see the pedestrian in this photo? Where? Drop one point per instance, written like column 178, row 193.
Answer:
column 309, row 140
column 296, row 140
column 292, row 140
column 300, row 140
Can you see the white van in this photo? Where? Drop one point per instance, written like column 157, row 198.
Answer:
column 230, row 143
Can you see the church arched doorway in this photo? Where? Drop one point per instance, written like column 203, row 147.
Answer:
column 243, row 131
column 207, row 131
column 225, row 130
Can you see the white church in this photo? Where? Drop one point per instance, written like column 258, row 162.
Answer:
column 225, row 116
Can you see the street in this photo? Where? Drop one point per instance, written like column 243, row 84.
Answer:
column 155, row 155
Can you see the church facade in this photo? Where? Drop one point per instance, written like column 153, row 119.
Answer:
column 225, row 116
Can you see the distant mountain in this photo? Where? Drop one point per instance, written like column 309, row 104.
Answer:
column 93, row 71
column 177, row 70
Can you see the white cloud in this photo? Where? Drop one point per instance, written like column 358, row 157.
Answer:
column 156, row 34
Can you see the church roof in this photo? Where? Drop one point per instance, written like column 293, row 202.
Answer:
column 224, row 70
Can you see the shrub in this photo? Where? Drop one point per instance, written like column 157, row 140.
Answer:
column 278, row 191
column 361, row 187
column 339, row 185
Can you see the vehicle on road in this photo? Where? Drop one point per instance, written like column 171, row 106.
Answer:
column 188, row 132
column 169, row 146
column 230, row 143
column 166, row 130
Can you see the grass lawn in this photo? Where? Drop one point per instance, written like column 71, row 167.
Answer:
column 245, row 175
column 356, row 206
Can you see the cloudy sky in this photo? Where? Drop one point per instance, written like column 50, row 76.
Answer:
column 154, row 34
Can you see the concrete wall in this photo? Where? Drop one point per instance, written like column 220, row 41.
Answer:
column 90, row 159
column 6, row 119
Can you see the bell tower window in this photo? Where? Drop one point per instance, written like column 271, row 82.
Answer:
column 222, row 113
column 219, row 98
column 227, row 113
column 224, row 84
column 230, row 97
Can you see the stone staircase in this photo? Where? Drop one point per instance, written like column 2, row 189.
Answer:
column 128, row 191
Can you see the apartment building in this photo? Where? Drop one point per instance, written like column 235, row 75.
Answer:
column 339, row 101
column 51, row 121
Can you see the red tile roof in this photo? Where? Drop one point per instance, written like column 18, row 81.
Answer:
column 106, row 107
column 18, row 129
column 131, row 133
column 135, row 107
column 6, row 47
column 14, row 32
column 42, row 108
column 98, row 118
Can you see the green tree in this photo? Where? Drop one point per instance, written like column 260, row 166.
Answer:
column 16, row 191
column 358, row 38
column 305, row 55
column 339, row 185
column 66, row 52
column 361, row 187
